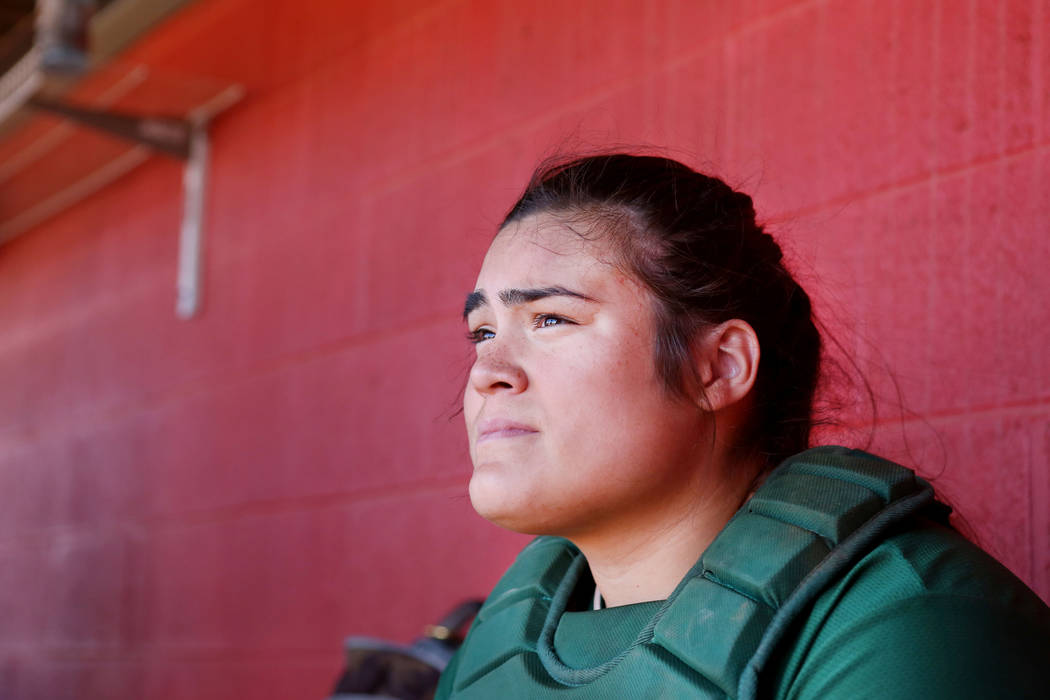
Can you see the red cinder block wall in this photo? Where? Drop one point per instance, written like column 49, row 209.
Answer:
column 203, row 509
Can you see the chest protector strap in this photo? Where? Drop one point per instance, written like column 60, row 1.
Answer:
column 813, row 518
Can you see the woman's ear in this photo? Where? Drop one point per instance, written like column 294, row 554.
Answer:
column 727, row 357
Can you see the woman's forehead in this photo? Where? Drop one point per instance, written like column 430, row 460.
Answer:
column 542, row 245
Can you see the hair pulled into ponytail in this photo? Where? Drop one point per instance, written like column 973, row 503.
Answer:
column 694, row 243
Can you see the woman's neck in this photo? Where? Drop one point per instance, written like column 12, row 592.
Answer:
column 645, row 561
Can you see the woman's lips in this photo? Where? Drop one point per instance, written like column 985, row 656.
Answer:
column 495, row 428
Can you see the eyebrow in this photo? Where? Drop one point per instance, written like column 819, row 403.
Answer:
column 515, row 297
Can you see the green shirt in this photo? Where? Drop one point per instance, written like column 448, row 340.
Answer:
column 924, row 615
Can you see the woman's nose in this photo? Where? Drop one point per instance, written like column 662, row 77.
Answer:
column 495, row 371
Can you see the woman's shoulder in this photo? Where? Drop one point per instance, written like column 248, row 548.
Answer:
column 927, row 613
column 930, row 559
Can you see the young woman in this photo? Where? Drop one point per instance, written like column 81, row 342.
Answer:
column 644, row 364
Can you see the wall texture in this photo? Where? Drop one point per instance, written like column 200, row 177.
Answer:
column 204, row 509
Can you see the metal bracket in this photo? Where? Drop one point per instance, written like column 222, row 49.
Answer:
column 191, row 234
column 182, row 138
column 170, row 135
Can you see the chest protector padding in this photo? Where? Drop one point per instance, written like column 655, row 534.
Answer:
column 815, row 516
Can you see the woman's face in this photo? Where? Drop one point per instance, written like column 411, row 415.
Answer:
column 570, row 428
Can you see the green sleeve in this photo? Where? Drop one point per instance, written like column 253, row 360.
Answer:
column 928, row 647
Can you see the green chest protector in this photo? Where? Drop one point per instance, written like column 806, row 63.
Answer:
column 812, row 519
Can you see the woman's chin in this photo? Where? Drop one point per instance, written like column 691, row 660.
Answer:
column 501, row 504
column 489, row 499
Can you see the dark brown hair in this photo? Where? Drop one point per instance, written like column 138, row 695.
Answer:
column 694, row 243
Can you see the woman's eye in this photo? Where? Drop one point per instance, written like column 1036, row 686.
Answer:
column 480, row 335
column 549, row 320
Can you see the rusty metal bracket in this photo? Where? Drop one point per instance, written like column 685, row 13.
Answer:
column 182, row 138
column 169, row 135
